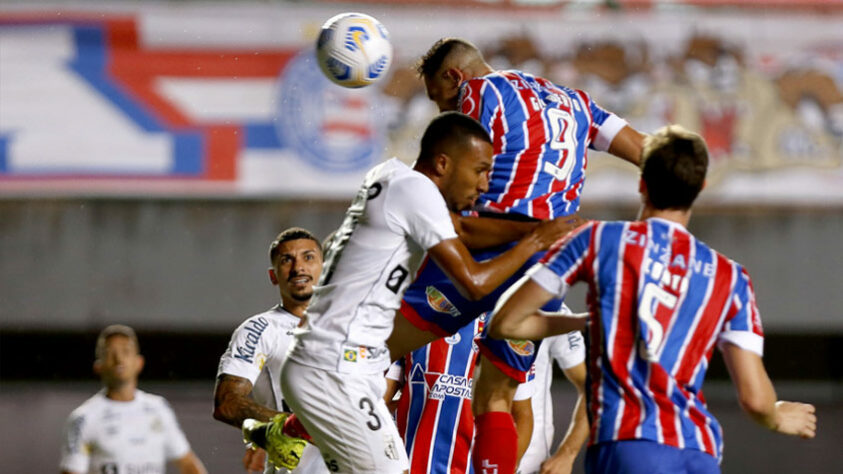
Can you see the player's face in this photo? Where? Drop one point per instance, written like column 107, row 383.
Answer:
column 443, row 91
column 120, row 363
column 469, row 175
column 297, row 268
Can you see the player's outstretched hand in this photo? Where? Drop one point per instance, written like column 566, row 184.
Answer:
column 796, row 419
column 254, row 460
column 282, row 450
column 552, row 230
column 558, row 464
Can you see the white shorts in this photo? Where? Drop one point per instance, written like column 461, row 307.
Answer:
column 347, row 418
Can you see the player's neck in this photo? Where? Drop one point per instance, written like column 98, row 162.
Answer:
column 680, row 216
column 122, row 393
column 294, row 307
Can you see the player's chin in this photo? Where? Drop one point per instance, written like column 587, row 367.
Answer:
column 303, row 295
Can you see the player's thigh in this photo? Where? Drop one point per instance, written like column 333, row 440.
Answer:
column 347, row 418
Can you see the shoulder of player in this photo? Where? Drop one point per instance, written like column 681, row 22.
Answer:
column 275, row 318
column 88, row 407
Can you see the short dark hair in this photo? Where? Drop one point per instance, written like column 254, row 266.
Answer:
column 435, row 56
column 114, row 330
column 293, row 233
column 673, row 166
column 448, row 130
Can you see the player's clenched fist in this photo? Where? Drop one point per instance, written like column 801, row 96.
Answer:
column 797, row 419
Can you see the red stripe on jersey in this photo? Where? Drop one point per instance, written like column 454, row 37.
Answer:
column 461, row 452
column 403, row 409
column 754, row 315
column 528, row 160
column 470, row 103
column 422, row 442
column 665, row 409
column 626, row 320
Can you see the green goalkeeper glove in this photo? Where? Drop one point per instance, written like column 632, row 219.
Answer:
column 282, row 450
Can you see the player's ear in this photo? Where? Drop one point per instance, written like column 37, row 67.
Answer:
column 454, row 76
column 97, row 367
column 441, row 163
column 141, row 362
column 272, row 276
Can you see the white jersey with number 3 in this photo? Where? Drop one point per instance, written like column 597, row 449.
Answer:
column 397, row 216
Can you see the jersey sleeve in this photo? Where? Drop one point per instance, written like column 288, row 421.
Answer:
column 176, row 446
column 604, row 124
column 568, row 350
column 75, row 449
column 480, row 100
column 742, row 326
column 396, row 371
column 246, row 352
column 565, row 263
column 416, row 206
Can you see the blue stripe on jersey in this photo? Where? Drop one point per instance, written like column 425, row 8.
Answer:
column 740, row 322
column 416, row 386
column 699, row 289
column 503, row 171
column 564, row 260
column 639, row 374
column 449, row 410
column 610, row 235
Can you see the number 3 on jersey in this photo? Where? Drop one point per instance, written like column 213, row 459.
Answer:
column 650, row 347
column 562, row 129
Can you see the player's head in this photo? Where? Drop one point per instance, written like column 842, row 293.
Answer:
column 456, row 153
column 673, row 166
column 118, row 361
column 296, row 257
column 446, row 65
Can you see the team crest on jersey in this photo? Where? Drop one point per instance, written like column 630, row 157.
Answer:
column 439, row 302
column 453, row 339
column 521, row 347
column 350, row 355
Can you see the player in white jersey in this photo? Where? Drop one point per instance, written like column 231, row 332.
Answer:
column 568, row 350
column 248, row 378
column 333, row 376
column 122, row 429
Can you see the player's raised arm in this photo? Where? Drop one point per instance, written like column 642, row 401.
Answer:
column 757, row 396
column 628, row 144
column 517, row 315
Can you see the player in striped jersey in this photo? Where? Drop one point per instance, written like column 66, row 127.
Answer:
column 660, row 300
column 434, row 409
column 540, row 133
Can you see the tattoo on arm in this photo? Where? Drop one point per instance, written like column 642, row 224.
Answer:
column 232, row 403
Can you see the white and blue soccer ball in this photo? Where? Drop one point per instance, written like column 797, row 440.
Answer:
column 353, row 50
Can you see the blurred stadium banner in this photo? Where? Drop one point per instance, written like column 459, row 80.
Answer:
column 226, row 100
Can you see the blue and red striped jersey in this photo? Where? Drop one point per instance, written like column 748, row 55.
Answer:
column 540, row 132
column 434, row 411
column 659, row 301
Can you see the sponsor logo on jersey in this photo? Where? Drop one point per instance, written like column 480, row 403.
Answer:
column 521, row 347
column 254, row 329
column 440, row 386
column 439, row 302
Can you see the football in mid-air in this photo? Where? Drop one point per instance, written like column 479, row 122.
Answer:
column 353, row 50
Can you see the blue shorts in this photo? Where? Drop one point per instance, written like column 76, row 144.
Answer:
column 642, row 456
column 432, row 303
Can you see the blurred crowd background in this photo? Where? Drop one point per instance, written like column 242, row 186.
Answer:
column 149, row 152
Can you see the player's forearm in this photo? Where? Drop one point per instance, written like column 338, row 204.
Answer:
column 628, row 144
column 485, row 232
column 234, row 409
column 577, row 432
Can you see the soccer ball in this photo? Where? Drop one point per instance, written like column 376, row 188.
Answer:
column 353, row 50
